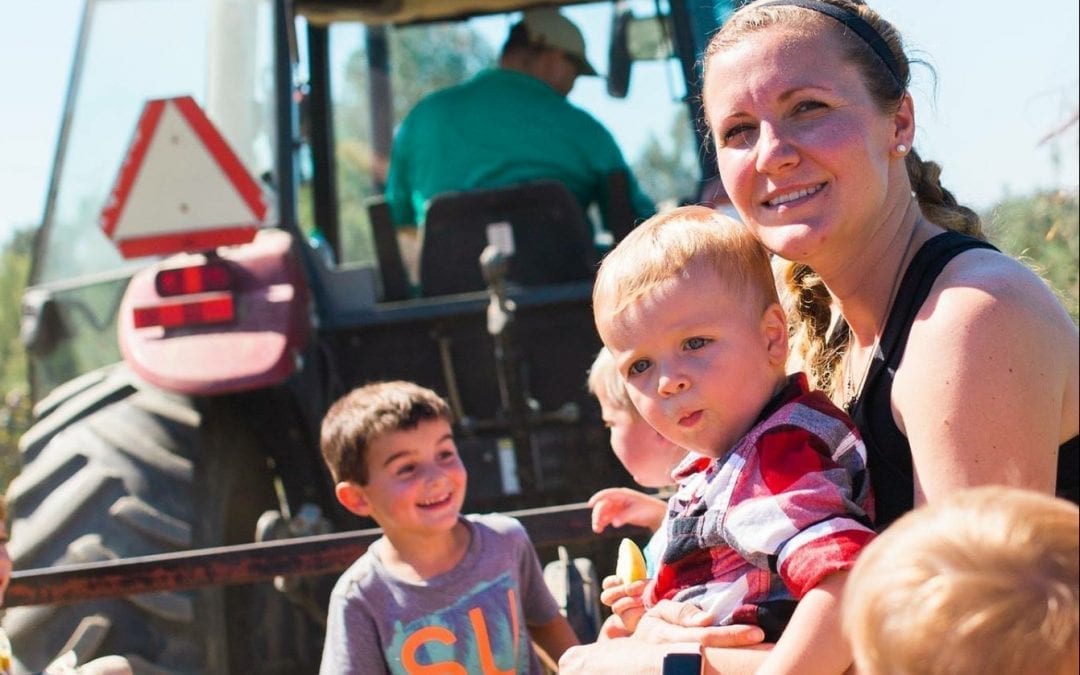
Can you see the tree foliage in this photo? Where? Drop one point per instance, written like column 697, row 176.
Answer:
column 15, row 401
column 1043, row 230
column 662, row 169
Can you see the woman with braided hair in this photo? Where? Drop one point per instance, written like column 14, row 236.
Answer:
column 958, row 364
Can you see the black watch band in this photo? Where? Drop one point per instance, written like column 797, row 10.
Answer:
column 684, row 663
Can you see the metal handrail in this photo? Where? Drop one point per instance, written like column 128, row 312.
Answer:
column 260, row 562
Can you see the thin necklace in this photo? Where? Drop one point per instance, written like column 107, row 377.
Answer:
column 851, row 389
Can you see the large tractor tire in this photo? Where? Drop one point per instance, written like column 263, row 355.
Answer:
column 115, row 468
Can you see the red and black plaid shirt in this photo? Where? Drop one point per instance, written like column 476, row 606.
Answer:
column 750, row 532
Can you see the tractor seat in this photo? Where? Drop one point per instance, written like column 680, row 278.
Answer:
column 552, row 239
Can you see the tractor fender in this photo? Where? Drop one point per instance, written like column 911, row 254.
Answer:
column 258, row 348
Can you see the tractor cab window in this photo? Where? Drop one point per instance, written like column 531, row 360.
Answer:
column 219, row 54
column 378, row 73
column 131, row 52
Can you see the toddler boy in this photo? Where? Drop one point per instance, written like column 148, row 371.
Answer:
column 773, row 503
column 438, row 591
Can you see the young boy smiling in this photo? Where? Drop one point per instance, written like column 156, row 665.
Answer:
column 438, row 591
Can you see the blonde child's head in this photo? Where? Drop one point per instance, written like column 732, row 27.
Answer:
column 605, row 383
column 687, row 307
column 368, row 413
column 665, row 246
column 645, row 454
column 982, row 581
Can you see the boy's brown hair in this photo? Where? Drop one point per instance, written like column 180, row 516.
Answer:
column 665, row 245
column 985, row 580
column 367, row 413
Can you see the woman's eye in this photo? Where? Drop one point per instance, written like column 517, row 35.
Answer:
column 806, row 106
column 638, row 367
column 696, row 343
column 740, row 135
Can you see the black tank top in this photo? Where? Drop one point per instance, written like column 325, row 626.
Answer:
column 888, row 451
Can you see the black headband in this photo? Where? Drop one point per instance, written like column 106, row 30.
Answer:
column 853, row 21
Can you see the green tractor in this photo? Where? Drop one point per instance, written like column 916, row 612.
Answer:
column 180, row 372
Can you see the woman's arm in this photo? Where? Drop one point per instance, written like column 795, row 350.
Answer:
column 986, row 390
column 813, row 642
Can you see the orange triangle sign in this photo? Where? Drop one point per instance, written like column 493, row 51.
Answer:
column 180, row 188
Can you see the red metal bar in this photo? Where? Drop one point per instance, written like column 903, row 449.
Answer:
column 259, row 562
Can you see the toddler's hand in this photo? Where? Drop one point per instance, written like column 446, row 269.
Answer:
column 625, row 600
column 616, row 507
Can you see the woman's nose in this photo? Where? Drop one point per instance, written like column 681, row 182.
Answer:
column 775, row 152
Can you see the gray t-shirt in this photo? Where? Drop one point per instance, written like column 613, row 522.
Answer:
column 471, row 619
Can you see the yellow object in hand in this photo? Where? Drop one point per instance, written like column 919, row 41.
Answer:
column 630, row 566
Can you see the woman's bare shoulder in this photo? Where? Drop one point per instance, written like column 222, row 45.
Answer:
column 985, row 285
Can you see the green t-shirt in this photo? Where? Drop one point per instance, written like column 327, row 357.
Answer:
column 499, row 128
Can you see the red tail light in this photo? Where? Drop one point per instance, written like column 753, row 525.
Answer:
column 205, row 278
column 216, row 308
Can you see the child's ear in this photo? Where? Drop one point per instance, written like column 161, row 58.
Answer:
column 775, row 331
column 352, row 498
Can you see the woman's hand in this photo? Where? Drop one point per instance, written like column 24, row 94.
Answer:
column 670, row 621
column 622, row 506
column 662, row 626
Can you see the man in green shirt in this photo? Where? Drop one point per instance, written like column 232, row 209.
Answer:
column 507, row 125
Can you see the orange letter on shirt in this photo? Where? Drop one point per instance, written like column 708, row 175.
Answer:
column 483, row 640
column 416, row 640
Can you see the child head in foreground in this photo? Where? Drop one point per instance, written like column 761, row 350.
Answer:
column 688, row 298
column 981, row 581
column 390, row 450
column 646, row 455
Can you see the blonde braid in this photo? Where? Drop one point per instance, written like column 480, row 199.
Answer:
column 815, row 348
column 938, row 204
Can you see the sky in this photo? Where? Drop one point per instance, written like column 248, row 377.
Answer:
column 1007, row 75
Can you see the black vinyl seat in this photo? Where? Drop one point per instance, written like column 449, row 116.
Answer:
column 553, row 241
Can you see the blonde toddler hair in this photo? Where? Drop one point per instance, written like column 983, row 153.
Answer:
column 666, row 245
column 604, row 380
column 983, row 581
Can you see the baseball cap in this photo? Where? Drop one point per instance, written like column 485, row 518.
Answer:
column 545, row 26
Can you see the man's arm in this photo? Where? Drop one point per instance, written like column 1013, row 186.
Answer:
column 409, row 243
column 554, row 637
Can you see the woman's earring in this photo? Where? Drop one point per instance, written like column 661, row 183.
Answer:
column 901, row 148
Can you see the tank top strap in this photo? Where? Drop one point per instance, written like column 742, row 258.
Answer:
column 919, row 278
column 888, row 450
